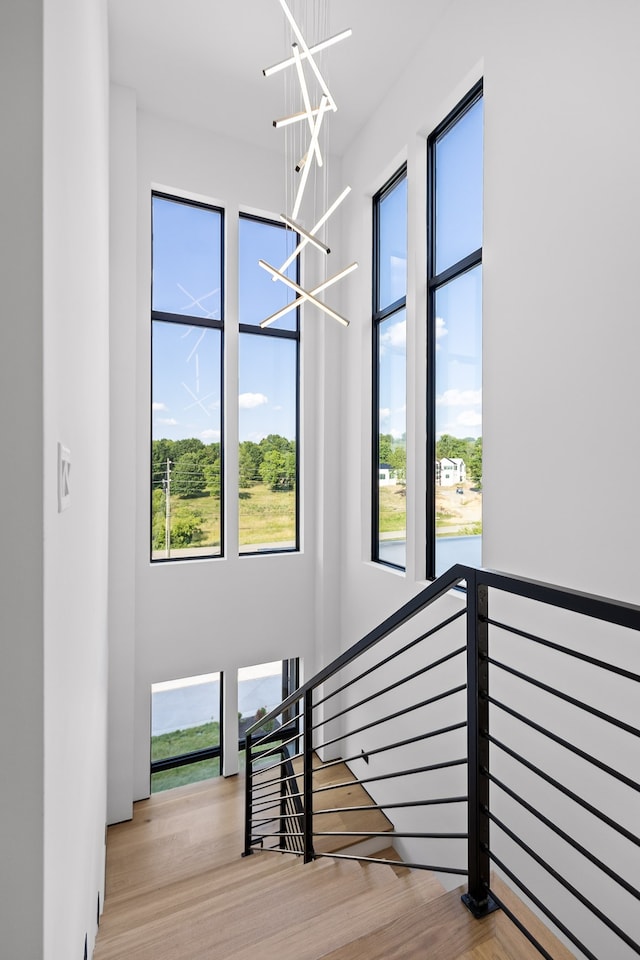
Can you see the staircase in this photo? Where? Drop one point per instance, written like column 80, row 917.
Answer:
column 177, row 889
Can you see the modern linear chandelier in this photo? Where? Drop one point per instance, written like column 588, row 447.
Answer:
column 303, row 62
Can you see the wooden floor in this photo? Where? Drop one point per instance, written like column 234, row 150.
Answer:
column 178, row 889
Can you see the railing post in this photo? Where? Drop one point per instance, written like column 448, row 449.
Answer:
column 248, row 799
column 308, row 776
column 283, row 802
column 477, row 899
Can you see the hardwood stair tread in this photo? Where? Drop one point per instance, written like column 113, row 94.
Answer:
column 177, row 888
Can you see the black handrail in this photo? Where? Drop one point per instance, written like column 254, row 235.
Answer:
column 452, row 578
column 296, row 786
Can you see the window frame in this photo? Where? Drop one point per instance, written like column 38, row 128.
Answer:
column 195, row 756
column 257, row 330
column 209, row 323
column 379, row 315
column 435, row 281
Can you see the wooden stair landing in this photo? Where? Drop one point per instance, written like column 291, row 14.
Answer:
column 178, row 889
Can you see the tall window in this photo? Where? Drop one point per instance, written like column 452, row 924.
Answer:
column 268, row 392
column 389, row 374
column 186, row 310
column 186, row 745
column 455, row 337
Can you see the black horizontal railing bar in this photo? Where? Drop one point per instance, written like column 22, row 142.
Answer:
column 273, row 766
column 278, row 849
column 438, row 588
column 263, row 796
column 445, row 764
column 587, row 604
column 567, row 698
column 620, row 777
column 565, row 836
column 458, row 871
column 393, row 656
column 272, row 780
column 520, row 925
column 566, row 791
column 282, row 833
column 263, row 801
column 392, row 834
column 398, row 743
column 259, row 806
column 262, row 807
column 273, row 819
column 433, row 802
column 282, row 737
column 394, row 686
column 391, row 716
column 580, row 897
column 542, row 907
column 568, row 651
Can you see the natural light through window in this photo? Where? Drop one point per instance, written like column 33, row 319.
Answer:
column 186, row 407
column 455, row 336
column 268, row 393
column 389, row 491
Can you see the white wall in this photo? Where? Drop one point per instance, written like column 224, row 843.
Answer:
column 21, row 607
column 76, row 412
column 561, row 201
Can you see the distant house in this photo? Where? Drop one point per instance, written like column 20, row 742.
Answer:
column 386, row 475
column 450, row 471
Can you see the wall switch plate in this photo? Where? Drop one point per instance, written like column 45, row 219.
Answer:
column 64, row 473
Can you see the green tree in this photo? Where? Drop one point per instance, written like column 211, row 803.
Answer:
column 275, row 442
column 186, row 530
column 448, row 446
column 278, row 469
column 188, row 476
column 212, row 478
column 249, row 459
column 385, row 448
column 158, row 518
column 474, row 465
column 398, row 463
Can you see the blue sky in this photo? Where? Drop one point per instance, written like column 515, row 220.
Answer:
column 186, row 368
column 187, row 281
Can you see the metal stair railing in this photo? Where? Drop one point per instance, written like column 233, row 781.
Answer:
column 491, row 744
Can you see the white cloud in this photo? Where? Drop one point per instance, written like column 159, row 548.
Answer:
column 459, row 398
column 167, row 421
column 248, row 401
column 385, row 413
column 469, row 418
column 395, row 337
column 211, row 435
column 441, row 331
column 396, row 434
column 157, row 407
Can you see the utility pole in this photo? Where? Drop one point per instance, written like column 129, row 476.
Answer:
column 167, row 509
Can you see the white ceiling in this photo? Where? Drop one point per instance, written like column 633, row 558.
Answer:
column 202, row 60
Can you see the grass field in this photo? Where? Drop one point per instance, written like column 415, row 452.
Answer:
column 267, row 518
column 393, row 509
column 179, row 742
